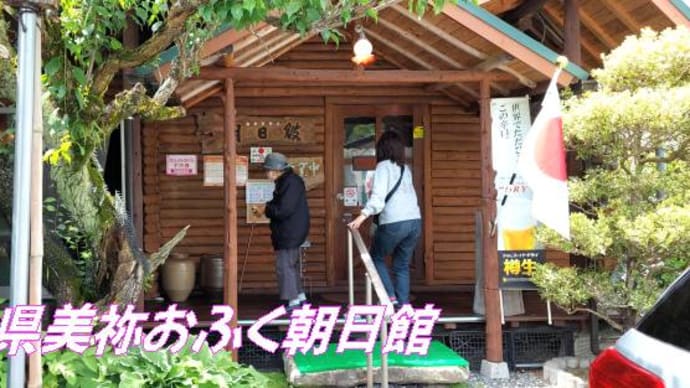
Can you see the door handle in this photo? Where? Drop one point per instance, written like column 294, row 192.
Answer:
column 339, row 196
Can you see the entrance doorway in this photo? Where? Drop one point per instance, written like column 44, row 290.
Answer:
column 355, row 131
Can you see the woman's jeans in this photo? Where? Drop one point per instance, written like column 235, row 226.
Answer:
column 400, row 240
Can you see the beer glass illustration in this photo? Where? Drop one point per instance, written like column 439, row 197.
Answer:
column 517, row 226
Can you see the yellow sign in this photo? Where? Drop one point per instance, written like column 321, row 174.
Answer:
column 418, row 132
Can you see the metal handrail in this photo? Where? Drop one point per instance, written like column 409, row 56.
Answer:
column 372, row 280
column 370, row 268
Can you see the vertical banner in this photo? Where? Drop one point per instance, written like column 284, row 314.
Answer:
column 516, row 228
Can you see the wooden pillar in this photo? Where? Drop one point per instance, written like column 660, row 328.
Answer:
column 230, row 252
column 135, row 163
column 428, row 199
column 572, row 48
column 494, row 337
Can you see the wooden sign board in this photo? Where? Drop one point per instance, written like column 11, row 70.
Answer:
column 276, row 130
column 310, row 169
column 254, row 130
column 258, row 192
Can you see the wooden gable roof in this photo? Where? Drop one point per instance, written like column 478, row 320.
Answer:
column 512, row 36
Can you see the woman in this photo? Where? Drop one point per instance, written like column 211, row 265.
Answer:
column 394, row 199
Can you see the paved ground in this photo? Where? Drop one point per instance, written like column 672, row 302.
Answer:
column 518, row 379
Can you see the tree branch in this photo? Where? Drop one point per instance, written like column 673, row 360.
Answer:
column 135, row 101
column 608, row 319
column 159, row 42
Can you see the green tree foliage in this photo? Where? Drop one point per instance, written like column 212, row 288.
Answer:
column 83, row 53
column 634, row 217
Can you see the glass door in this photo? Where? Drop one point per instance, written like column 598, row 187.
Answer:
column 356, row 129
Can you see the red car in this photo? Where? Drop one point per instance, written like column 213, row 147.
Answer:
column 654, row 354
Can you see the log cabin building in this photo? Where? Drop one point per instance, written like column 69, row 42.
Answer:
column 433, row 79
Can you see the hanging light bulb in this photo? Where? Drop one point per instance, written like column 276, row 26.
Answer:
column 362, row 48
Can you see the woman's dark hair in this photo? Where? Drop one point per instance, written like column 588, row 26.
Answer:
column 390, row 147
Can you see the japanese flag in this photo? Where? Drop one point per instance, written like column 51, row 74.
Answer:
column 542, row 164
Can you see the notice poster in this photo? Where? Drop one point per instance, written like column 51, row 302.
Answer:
column 257, row 155
column 241, row 170
column 350, row 196
column 213, row 170
column 180, row 165
column 258, row 192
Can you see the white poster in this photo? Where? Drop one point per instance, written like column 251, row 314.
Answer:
column 258, row 192
column 350, row 196
column 180, row 165
column 258, row 154
column 510, row 122
column 214, row 170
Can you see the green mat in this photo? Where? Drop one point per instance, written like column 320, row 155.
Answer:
column 439, row 355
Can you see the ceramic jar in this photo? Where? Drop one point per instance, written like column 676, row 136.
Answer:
column 178, row 277
column 212, row 275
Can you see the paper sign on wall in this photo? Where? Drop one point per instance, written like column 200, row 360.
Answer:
column 241, row 170
column 213, row 170
column 180, row 165
column 418, row 132
column 258, row 154
column 258, row 192
column 350, row 196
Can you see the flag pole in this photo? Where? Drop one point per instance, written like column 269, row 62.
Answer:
column 19, row 266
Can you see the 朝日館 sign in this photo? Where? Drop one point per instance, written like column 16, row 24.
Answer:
column 276, row 130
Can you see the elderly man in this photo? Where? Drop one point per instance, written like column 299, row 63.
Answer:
column 289, row 215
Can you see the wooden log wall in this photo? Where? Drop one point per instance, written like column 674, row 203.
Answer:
column 456, row 191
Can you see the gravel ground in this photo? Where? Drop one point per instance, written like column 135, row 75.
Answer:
column 518, row 379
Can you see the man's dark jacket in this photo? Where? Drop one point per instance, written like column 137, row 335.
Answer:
column 288, row 212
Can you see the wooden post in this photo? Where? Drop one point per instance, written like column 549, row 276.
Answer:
column 494, row 337
column 135, row 170
column 572, row 48
column 428, row 198
column 230, row 289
